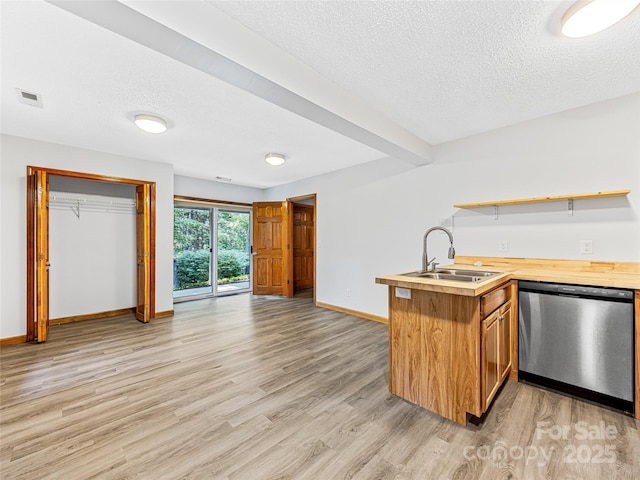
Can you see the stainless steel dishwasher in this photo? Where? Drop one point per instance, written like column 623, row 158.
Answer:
column 578, row 339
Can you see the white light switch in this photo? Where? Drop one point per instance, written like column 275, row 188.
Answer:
column 403, row 293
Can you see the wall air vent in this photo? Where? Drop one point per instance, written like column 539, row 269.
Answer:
column 29, row 98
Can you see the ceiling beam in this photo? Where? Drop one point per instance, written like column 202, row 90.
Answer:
column 372, row 129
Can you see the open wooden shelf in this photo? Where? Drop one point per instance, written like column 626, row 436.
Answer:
column 577, row 196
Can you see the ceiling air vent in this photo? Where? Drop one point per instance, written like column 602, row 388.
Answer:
column 29, row 98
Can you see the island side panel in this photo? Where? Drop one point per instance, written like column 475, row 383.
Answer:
column 404, row 338
column 637, row 343
column 428, row 366
column 435, row 353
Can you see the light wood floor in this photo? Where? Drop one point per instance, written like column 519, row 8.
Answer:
column 266, row 388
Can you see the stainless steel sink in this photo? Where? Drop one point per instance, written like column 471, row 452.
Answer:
column 472, row 273
column 452, row 275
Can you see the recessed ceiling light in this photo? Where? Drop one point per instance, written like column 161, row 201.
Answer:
column 150, row 123
column 274, row 159
column 223, row 179
column 587, row 17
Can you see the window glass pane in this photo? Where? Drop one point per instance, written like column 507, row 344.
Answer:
column 191, row 251
column 233, row 251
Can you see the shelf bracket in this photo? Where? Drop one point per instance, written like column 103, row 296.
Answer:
column 570, row 206
column 495, row 212
column 76, row 210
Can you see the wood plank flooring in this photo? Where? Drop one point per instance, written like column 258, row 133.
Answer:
column 256, row 388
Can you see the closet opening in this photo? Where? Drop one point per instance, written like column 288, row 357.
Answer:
column 92, row 249
column 41, row 272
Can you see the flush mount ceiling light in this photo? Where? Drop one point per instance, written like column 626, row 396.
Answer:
column 587, row 17
column 274, row 159
column 150, row 123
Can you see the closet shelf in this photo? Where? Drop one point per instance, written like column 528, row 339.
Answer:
column 518, row 201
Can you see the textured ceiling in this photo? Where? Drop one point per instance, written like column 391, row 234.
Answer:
column 450, row 69
column 441, row 70
column 93, row 81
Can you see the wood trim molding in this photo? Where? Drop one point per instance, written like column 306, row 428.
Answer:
column 89, row 176
column 13, row 340
column 152, row 251
column 299, row 198
column 91, row 316
column 31, row 253
column 314, row 197
column 206, row 201
column 355, row 313
column 78, row 318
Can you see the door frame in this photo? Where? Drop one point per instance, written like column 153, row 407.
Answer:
column 149, row 234
column 298, row 199
column 182, row 201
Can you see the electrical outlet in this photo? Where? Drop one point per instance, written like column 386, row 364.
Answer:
column 586, row 247
column 503, row 245
column 403, row 293
column 348, row 292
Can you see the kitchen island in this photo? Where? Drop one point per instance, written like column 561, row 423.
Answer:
column 449, row 343
column 453, row 344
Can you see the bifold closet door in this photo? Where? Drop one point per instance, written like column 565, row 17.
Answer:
column 37, row 255
column 143, row 248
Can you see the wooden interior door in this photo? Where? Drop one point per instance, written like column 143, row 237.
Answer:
column 270, row 249
column 303, row 245
column 143, row 249
column 38, row 255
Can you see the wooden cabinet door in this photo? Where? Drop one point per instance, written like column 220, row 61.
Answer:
column 303, row 245
column 270, row 249
column 490, row 359
column 504, row 345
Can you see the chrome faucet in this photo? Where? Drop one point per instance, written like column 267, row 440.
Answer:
column 430, row 265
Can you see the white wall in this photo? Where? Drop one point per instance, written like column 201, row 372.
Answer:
column 93, row 258
column 200, row 188
column 371, row 218
column 16, row 154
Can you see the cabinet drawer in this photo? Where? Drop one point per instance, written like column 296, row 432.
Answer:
column 495, row 298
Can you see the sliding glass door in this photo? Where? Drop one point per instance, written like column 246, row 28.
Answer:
column 233, row 252
column 191, row 252
column 211, row 252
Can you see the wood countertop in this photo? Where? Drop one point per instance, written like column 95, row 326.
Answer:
column 469, row 289
column 596, row 273
column 618, row 280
